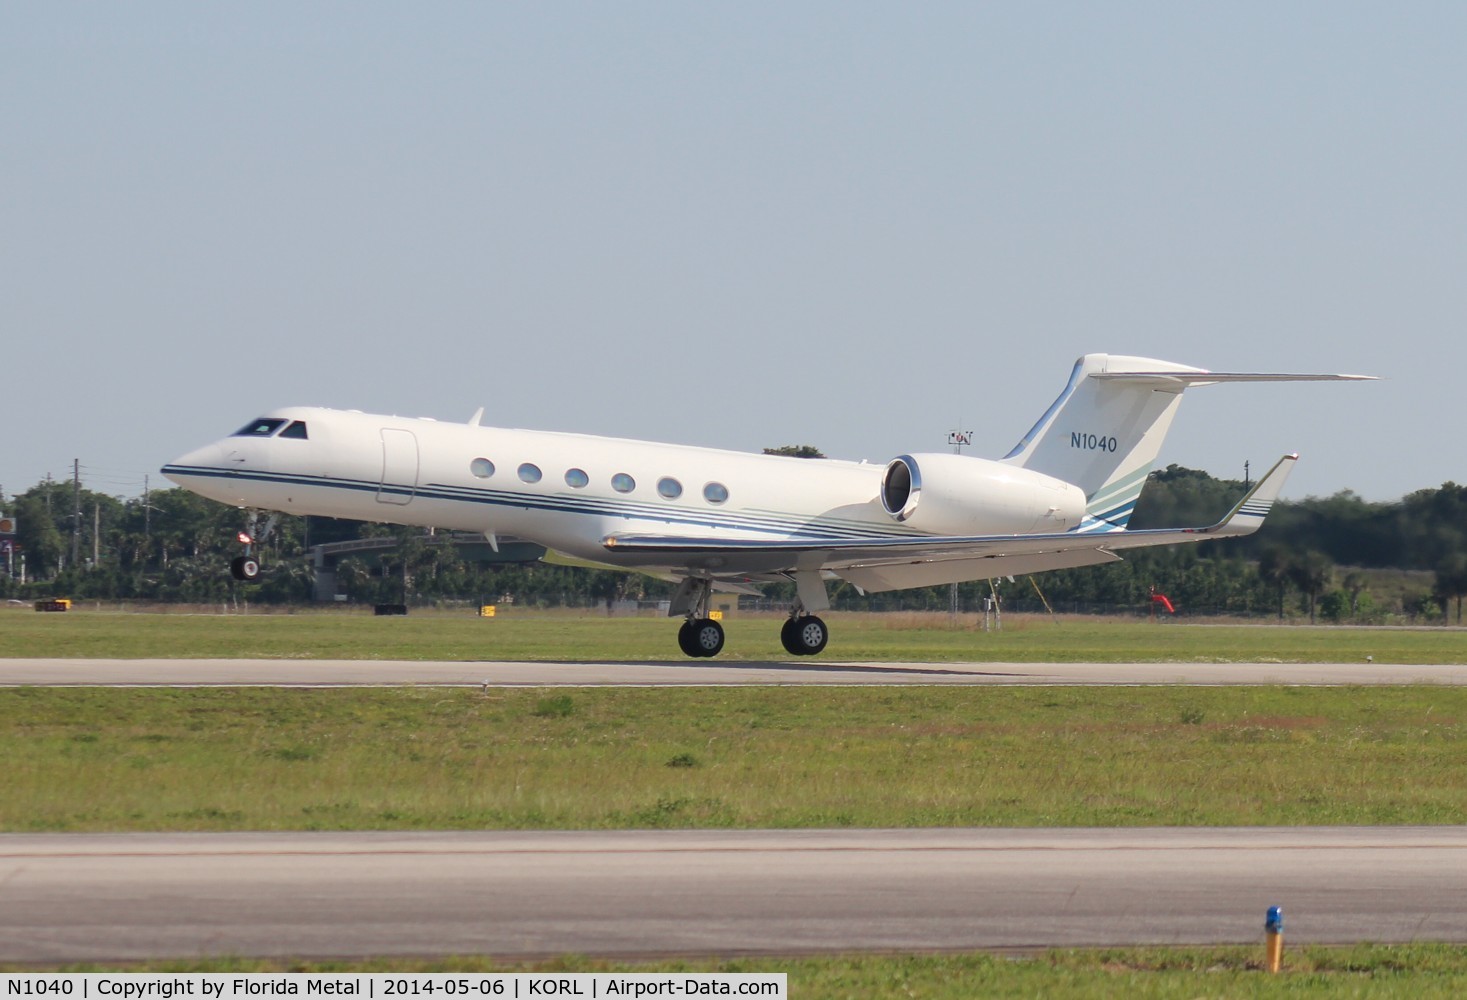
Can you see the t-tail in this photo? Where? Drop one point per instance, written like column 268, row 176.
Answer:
column 1106, row 428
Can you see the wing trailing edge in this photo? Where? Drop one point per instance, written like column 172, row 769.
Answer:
column 887, row 563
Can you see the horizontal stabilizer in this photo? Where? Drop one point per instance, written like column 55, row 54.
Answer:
column 1210, row 378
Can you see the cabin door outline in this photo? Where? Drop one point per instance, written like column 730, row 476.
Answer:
column 399, row 467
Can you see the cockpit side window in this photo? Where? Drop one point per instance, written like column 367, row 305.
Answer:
column 297, row 429
column 261, row 428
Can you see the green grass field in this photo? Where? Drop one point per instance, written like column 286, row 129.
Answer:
column 749, row 757
column 1418, row 972
column 588, row 636
column 80, row 759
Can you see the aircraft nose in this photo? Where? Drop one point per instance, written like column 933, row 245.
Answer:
column 184, row 469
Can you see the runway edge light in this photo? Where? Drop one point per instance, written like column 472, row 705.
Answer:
column 1273, row 926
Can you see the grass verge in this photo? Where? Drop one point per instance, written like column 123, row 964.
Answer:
column 608, row 758
column 559, row 636
column 1368, row 971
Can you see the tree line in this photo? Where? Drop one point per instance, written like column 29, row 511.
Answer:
column 1337, row 558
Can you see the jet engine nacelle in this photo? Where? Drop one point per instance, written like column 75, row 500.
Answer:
column 957, row 495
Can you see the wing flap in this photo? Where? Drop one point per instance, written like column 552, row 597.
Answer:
column 934, row 572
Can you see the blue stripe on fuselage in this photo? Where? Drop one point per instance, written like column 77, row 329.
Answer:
column 595, row 506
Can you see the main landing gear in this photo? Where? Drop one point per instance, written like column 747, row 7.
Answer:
column 802, row 634
column 699, row 635
column 247, row 566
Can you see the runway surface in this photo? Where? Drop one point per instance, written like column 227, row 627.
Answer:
column 83, row 897
column 319, row 673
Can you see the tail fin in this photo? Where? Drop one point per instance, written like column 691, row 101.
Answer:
column 1105, row 430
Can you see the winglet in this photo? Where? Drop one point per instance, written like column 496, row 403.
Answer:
column 1247, row 517
column 478, row 415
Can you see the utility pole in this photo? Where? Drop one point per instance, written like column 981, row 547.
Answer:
column 9, row 544
column 147, row 514
column 96, row 533
column 76, row 512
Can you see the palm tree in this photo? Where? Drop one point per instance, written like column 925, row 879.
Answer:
column 1311, row 573
column 1355, row 583
column 1451, row 581
column 1274, row 567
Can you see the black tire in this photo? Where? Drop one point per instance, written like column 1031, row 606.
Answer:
column 707, row 637
column 685, row 639
column 787, row 638
column 246, row 568
column 808, row 635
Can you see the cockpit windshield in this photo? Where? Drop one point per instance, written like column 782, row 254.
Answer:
column 262, row 428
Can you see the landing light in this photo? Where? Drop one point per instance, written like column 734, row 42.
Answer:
column 245, row 539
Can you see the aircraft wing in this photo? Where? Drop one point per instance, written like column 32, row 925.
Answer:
column 887, row 563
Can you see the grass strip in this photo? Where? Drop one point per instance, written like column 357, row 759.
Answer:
column 1368, row 971
column 80, row 759
column 519, row 635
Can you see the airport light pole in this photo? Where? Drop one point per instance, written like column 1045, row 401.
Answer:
column 957, row 439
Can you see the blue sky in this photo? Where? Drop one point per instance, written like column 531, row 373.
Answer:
column 848, row 224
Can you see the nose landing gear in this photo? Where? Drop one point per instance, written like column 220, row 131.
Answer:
column 247, row 566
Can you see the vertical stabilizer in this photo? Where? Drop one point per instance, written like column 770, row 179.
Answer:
column 1105, row 430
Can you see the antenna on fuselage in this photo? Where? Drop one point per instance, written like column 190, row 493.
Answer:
column 474, row 420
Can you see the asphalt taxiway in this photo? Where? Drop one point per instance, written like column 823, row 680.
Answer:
column 105, row 897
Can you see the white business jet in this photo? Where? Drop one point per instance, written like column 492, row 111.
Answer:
column 725, row 520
